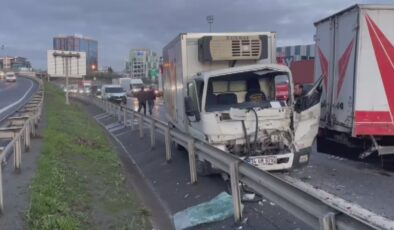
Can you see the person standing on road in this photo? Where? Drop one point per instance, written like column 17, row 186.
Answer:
column 141, row 97
column 298, row 90
column 151, row 99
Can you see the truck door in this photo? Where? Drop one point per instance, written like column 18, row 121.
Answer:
column 343, row 60
column 307, row 116
column 194, row 91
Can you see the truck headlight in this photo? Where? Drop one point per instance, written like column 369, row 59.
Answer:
column 303, row 158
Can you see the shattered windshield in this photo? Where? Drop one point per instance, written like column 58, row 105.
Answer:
column 246, row 90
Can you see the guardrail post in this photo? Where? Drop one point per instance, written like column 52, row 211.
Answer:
column 33, row 128
column 152, row 134
column 132, row 120
column 119, row 112
column 167, row 138
column 140, row 125
column 1, row 190
column 327, row 222
column 17, row 154
column 234, row 177
column 124, row 116
column 192, row 160
column 27, row 137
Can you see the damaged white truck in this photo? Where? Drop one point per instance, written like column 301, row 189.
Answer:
column 221, row 89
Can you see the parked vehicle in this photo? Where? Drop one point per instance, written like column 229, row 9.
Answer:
column 10, row 77
column 136, row 84
column 114, row 93
column 215, row 91
column 354, row 54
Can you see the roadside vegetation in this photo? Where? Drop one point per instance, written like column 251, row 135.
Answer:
column 79, row 182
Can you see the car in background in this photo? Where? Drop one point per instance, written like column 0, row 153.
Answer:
column 114, row 93
column 10, row 77
column 2, row 75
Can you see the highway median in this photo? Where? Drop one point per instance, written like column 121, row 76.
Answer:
column 80, row 183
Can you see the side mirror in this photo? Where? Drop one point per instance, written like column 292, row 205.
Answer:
column 190, row 108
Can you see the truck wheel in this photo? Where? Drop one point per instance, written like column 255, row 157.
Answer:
column 180, row 147
column 388, row 162
column 204, row 168
column 322, row 146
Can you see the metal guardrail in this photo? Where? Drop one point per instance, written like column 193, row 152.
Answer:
column 18, row 133
column 311, row 209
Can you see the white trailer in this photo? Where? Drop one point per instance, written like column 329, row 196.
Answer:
column 220, row 88
column 355, row 55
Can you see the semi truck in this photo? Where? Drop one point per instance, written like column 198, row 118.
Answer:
column 355, row 55
column 221, row 89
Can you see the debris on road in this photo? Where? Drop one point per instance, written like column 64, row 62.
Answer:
column 248, row 196
column 219, row 208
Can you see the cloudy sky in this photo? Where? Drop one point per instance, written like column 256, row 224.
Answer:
column 27, row 26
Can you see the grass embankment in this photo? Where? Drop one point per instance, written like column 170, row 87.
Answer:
column 79, row 182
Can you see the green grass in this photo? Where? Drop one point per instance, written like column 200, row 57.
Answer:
column 79, row 182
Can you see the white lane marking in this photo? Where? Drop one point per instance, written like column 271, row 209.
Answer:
column 18, row 101
column 350, row 208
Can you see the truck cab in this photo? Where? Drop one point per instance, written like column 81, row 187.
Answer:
column 237, row 110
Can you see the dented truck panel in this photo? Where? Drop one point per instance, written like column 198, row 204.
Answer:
column 238, row 106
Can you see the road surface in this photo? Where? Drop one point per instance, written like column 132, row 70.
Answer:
column 361, row 182
column 14, row 94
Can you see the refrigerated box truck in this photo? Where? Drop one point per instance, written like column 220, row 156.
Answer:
column 355, row 55
column 221, row 89
column 130, row 85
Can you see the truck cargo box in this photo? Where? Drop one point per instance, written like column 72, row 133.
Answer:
column 355, row 54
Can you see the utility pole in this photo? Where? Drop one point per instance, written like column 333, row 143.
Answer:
column 66, row 58
column 210, row 22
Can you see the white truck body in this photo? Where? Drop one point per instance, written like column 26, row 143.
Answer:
column 220, row 68
column 355, row 55
column 136, row 84
column 129, row 84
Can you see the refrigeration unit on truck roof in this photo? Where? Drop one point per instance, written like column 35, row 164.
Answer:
column 231, row 48
column 355, row 55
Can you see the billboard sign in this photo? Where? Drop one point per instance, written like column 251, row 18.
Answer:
column 62, row 63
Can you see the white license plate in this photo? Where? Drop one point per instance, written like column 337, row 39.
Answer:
column 269, row 160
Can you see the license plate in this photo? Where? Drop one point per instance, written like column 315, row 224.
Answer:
column 269, row 160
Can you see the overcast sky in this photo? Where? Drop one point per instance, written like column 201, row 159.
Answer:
column 28, row 26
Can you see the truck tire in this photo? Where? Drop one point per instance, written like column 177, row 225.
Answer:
column 322, row 145
column 204, row 168
column 180, row 147
column 388, row 162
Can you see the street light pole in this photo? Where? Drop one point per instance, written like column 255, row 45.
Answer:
column 67, row 100
column 210, row 22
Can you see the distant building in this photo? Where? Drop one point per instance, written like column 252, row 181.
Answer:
column 300, row 60
column 14, row 63
column 81, row 44
column 143, row 63
column 295, row 53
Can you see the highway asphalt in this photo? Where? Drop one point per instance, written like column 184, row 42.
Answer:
column 14, row 94
column 360, row 183
column 363, row 183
